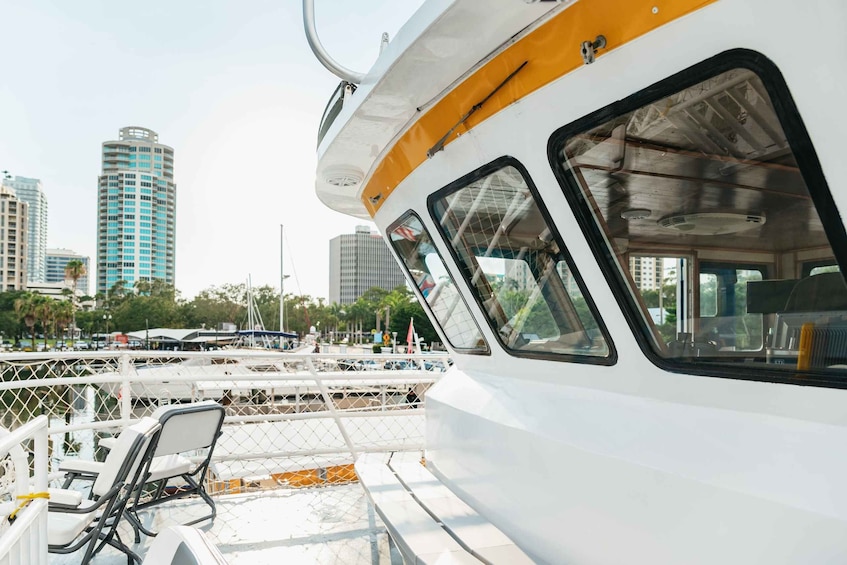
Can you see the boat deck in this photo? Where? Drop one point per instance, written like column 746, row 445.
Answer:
column 332, row 524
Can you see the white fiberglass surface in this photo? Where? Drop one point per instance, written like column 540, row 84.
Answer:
column 563, row 470
column 314, row 525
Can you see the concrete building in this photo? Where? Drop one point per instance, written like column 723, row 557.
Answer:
column 359, row 261
column 136, row 210
column 56, row 261
column 647, row 272
column 31, row 191
column 61, row 291
column 14, row 220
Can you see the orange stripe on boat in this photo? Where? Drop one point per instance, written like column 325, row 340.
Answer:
column 551, row 52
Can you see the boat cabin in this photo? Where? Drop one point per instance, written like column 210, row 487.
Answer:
column 625, row 220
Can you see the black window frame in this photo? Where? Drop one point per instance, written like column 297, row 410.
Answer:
column 422, row 300
column 483, row 171
column 808, row 163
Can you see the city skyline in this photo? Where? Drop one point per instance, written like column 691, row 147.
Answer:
column 234, row 89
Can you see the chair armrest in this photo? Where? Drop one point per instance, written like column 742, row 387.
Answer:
column 107, row 442
column 64, row 497
column 86, row 506
column 81, row 466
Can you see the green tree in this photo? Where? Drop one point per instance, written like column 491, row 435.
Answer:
column 25, row 307
column 11, row 325
column 63, row 314
column 116, row 294
column 215, row 305
column 74, row 270
column 45, row 311
column 154, row 306
column 412, row 310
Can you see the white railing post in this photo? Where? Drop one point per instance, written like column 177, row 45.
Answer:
column 330, row 406
column 25, row 541
column 125, row 369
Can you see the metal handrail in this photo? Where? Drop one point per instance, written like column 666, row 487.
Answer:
column 318, row 49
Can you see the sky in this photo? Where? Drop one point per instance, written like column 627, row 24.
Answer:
column 232, row 86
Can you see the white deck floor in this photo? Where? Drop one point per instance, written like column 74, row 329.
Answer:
column 316, row 525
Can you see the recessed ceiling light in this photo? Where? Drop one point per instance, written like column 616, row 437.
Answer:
column 343, row 175
column 712, row 223
column 636, row 214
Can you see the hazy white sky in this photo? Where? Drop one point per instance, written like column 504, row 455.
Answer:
column 232, row 86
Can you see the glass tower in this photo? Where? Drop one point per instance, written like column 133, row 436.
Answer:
column 136, row 211
column 30, row 191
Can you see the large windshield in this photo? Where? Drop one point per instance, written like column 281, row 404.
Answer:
column 701, row 202
column 514, row 265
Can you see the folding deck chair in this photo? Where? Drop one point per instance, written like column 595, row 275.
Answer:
column 185, row 428
column 73, row 522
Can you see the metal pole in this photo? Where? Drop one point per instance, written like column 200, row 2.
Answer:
column 281, row 283
column 318, row 49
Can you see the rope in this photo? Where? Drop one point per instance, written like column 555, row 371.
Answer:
column 26, row 498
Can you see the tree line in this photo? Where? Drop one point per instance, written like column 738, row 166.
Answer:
column 155, row 304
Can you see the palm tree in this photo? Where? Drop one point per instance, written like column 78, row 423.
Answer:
column 74, row 270
column 45, row 312
column 26, row 307
column 142, row 287
column 64, row 313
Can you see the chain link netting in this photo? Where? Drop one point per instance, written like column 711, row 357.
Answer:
column 292, row 420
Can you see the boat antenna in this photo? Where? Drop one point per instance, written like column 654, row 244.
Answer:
column 343, row 73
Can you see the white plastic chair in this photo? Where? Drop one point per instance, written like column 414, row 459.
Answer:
column 185, row 428
column 73, row 522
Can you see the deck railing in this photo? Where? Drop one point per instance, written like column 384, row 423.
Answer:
column 292, row 419
column 23, row 503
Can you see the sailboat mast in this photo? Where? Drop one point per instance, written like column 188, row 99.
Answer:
column 251, row 322
column 281, row 282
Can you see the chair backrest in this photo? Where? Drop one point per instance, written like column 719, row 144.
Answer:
column 824, row 292
column 123, row 459
column 186, row 427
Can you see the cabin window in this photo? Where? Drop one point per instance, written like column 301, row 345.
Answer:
column 516, row 267
column 436, row 287
column 696, row 197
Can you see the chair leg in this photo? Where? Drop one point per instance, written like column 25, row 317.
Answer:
column 135, row 522
column 137, row 527
column 71, row 477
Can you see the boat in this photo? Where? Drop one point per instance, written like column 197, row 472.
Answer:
column 624, row 220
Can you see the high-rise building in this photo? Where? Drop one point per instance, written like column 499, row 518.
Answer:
column 30, row 191
column 136, row 210
column 358, row 262
column 14, row 220
column 647, row 272
column 57, row 259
